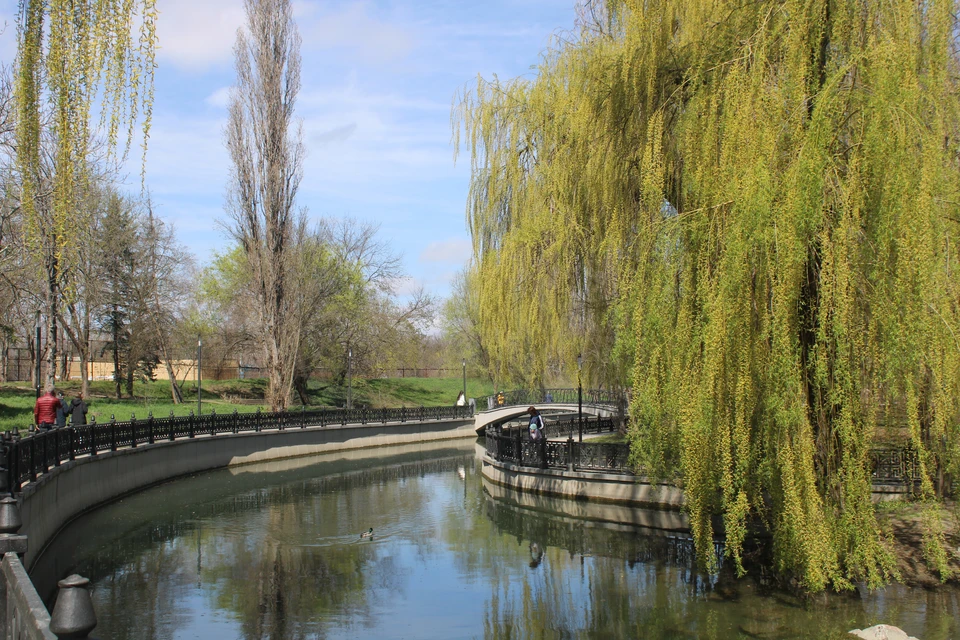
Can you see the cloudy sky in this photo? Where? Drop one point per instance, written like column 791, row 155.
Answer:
column 379, row 80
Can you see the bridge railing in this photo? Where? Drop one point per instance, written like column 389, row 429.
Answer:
column 29, row 456
column 520, row 397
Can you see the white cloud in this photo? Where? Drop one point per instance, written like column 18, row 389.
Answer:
column 195, row 35
column 452, row 250
column 219, row 98
column 354, row 28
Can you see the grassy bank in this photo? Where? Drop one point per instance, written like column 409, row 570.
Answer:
column 225, row 396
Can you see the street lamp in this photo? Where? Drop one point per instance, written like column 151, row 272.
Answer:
column 199, row 375
column 580, row 395
column 349, row 378
column 36, row 351
column 463, row 363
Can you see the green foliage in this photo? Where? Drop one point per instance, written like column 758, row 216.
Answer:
column 750, row 213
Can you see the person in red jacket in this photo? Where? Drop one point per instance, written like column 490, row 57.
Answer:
column 45, row 410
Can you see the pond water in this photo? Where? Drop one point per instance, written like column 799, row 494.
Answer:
column 274, row 551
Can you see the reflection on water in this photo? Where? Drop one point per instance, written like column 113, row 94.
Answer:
column 273, row 551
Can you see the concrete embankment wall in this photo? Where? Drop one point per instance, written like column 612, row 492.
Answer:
column 628, row 490
column 77, row 486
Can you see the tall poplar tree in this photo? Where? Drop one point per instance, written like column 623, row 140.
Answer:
column 267, row 167
column 91, row 53
column 752, row 211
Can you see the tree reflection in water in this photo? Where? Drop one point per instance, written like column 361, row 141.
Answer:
column 273, row 552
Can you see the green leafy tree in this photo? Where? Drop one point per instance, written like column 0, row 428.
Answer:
column 748, row 212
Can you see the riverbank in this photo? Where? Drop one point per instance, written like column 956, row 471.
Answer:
column 903, row 525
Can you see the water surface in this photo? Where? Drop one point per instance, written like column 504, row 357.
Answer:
column 273, row 551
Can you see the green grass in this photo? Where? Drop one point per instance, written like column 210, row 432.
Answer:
column 225, row 396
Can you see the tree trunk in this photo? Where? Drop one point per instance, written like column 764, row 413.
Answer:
column 116, row 353
column 53, row 295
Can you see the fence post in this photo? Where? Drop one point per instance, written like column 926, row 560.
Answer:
column 570, row 465
column 236, row 421
column 150, row 427
column 191, row 419
column 173, row 434
column 257, row 427
column 542, row 450
column 213, row 422
column 303, row 416
column 133, row 431
column 93, row 436
column 518, row 452
column 56, row 447
column 33, row 464
column 113, row 433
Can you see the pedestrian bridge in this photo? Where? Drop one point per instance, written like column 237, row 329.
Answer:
column 506, row 406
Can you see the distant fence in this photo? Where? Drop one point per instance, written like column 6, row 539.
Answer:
column 27, row 457
column 18, row 366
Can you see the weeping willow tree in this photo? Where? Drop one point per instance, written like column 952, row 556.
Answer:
column 74, row 56
column 750, row 211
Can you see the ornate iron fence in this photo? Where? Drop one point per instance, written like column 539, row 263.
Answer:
column 895, row 465
column 888, row 465
column 29, row 456
column 515, row 446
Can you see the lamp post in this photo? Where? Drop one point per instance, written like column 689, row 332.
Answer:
column 580, row 395
column 37, row 353
column 199, row 375
column 349, row 378
column 463, row 363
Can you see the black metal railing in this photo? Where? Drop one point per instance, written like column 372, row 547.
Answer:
column 895, row 465
column 516, row 447
column 25, row 458
column 520, row 397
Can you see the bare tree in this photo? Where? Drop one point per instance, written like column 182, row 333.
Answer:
column 267, row 168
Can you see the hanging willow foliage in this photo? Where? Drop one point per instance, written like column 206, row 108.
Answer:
column 98, row 53
column 749, row 212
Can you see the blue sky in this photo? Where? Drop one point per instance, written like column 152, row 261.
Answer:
column 379, row 79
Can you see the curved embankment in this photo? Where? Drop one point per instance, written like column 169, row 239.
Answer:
column 76, row 486
column 622, row 489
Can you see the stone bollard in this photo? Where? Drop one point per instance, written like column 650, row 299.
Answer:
column 10, row 521
column 73, row 614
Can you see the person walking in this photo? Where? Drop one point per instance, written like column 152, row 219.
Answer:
column 45, row 409
column 78, row 411
column 61, row 411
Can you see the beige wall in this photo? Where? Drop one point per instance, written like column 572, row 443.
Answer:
column 183, row 369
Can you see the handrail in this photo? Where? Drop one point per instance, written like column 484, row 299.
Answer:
column 29, row 456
